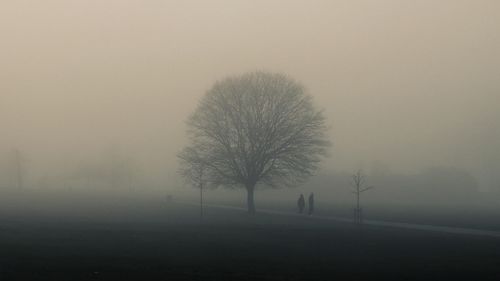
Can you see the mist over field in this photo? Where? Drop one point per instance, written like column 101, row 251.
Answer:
column 406, row 86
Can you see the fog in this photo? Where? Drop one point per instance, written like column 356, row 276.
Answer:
column 91, row 89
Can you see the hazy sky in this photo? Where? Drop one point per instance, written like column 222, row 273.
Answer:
column 409, row 84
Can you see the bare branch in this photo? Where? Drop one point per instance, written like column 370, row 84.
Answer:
column 367, row 188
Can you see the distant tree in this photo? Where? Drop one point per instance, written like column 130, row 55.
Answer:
column 120, row 168
column 17, row 168
column 358, row 182
column 257, row 128
column 194, row 172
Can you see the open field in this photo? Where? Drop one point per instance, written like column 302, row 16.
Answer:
column 149, row 239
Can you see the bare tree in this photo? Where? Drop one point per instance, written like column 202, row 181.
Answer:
column 358, row 182
column 17, row 168
column 256, row 129
column 193, row 170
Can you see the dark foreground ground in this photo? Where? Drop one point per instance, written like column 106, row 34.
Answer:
column 153, row 240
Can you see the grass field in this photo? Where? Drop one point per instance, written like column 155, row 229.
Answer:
column 150, row 239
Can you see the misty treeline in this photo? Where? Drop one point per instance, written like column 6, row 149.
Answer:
column 251, row 131
column 434, row 185
column 113, row 169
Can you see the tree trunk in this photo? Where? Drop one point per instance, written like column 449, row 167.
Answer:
column 250, row 201
column 357, row 200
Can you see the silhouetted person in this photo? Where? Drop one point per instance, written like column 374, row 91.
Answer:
column 301, row 203
column 311, row 203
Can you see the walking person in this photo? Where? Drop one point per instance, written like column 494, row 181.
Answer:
column 311, row 203
column 301, row 203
